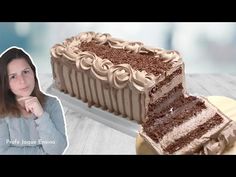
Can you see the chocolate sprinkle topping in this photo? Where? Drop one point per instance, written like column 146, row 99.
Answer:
column 147, row 62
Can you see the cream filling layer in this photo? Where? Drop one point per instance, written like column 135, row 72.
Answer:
column 167, row 87
column 164, row 104
column 190, row 147
column 186, row 127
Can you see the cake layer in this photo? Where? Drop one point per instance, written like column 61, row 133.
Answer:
column 164, row 104
column 212, row 125
column 158, row 125
column 167, row 80
column 113, row 74
column 193, row 126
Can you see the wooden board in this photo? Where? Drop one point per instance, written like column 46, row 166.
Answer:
column 225, row 104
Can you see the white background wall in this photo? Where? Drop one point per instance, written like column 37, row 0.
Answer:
column 205, row 47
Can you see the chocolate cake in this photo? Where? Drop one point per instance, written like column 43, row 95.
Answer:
column 143, row 84
column 189, row 125
column 119, row 76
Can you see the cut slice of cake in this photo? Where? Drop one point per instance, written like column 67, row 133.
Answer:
column 189, row 125
column 119, row 76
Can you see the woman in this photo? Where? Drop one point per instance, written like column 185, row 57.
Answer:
column 30, row 121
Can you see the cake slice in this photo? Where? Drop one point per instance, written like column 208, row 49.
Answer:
column 189, row 125
column 116, row 75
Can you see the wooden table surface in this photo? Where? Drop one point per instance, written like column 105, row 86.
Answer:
column 87, row 136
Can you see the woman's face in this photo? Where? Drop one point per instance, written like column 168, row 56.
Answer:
column 21, row 77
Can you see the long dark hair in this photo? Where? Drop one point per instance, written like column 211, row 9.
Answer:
column 8, row 103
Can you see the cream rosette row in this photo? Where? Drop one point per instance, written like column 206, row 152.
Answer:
column 89, row 36
column 68, row 52
column 70, row 47
column 118, row 76
column 136, row 47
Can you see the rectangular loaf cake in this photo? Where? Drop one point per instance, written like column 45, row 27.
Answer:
column 119, row 76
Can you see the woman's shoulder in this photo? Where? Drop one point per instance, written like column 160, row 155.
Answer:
column 53, row 106
column 2, row 120
column 51, row 100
